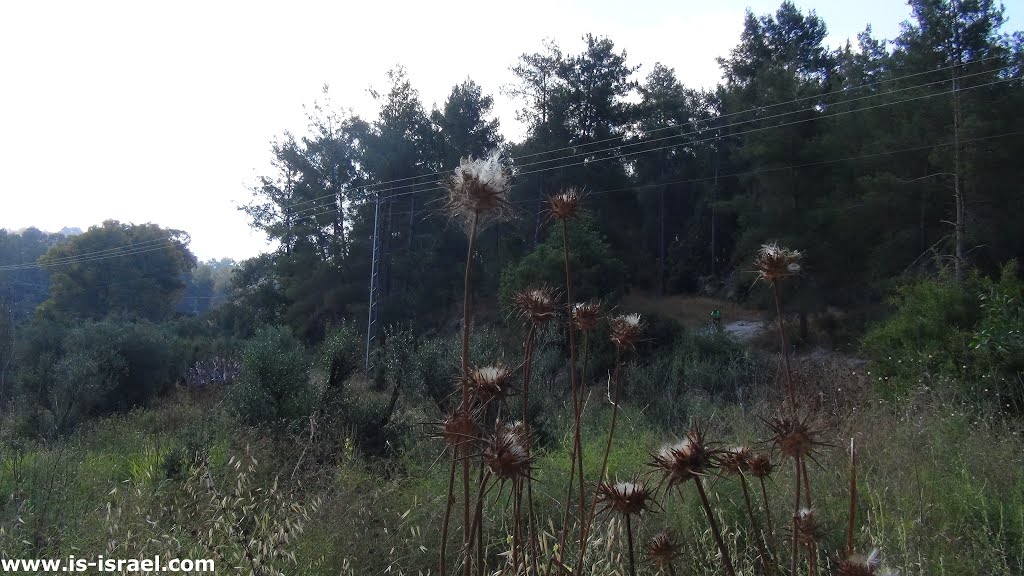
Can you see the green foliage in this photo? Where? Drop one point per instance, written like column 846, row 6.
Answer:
column 596, row 272
column 275, row 385
column 145, row 279
column 706, row 363
column 95, row 368
column 942, row 333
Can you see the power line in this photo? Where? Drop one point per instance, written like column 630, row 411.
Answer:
column 68, row 262
column 378, row 185
column 784, row 168
column 694, row 142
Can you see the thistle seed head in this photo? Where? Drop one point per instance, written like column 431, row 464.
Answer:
column 565, row 204
column 623, row 497
column 794, row 437
column 488, row 383
column 736, row 460
column 774, row 262
column 478, row 189
column 808, row 532
column 662, row 550
column 626, row 330
column 586, row 315
column 460, row 428
column 537, row 304
column 761, row 466
column 685, row 460
column 507, row 452
column 860, row 565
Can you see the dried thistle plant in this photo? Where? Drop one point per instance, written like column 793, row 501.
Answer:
column 538, row 305
column 478, row 195
column 566, row 204
column 488, row 384
column 506, row 452
column 625, row 331
column 627, row 499
column 690, row 460
column 860, row 564
column 478, row 192
column 773, row 262
column 586, row 315
column 662, row 551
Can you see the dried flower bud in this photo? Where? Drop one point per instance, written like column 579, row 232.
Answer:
column 586, row 315
column 860, row 565
column 808, row 532
column 565, row 205
column 794, row 437
column 761, row 466
column 537, row 304
column 478, row 190
column 662, row 550
column 488, row 383
column 685, row 460
column 736, row 460
column 625, row 330
column 460, row 428
column 774, row 262
column 623, row 497
column 507, row 452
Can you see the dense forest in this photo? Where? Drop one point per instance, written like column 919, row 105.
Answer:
column 863, row 200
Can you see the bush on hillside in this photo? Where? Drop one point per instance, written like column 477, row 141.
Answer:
column 947, row 334
column 96, row 368
column 274, row 384
column 596, row 272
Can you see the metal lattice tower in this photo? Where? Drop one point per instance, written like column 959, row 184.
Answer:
column 371, row 314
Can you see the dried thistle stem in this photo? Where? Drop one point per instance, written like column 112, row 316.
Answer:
column 726, row 560
column 450, row 501
column 796, row 515
column 756, row 526
column 629, row 539
column 467, row 541
column 527, row 365
column 577, row 452
column 790, row 389
column 853, row 499
column 585, row 526
column 772, row 543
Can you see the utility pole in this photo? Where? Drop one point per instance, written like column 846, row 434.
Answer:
column 714, row 199
column 958, row 265
column 371, row 314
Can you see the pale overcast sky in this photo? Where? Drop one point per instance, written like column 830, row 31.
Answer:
column 163, row 111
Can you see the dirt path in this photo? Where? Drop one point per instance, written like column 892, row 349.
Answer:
column 745, row 330
column 694, row 312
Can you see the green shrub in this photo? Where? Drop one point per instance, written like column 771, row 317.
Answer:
column 596, row 272
column 274, row 382
column 97, row 368
column 706, row 363
column 964, row 335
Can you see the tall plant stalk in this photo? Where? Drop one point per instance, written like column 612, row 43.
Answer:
column 853, row 499
column 629, row 539
column 790, row 389
column 588, row 523
column 467, row 537
column 528, row 364
column 726, row 559
column 450, row 501
column 575, row 455
column 796, row 516
column 755, row 526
